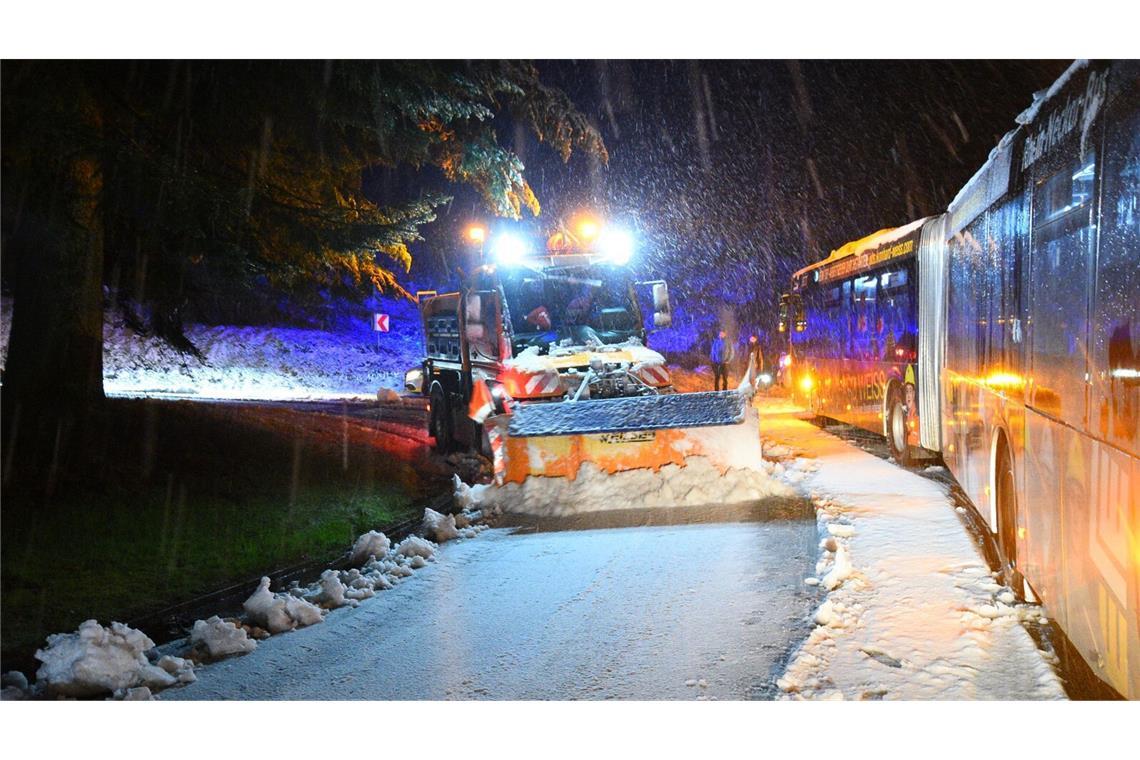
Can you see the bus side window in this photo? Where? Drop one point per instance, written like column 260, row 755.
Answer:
column 1062, row 250
column 1116, row 312
column 828, row 325
column 846, row 317
column 867, row 340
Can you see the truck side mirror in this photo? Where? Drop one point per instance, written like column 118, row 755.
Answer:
column 414, row 380
column 662, row 313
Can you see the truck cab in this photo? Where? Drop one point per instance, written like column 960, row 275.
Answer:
column 565, row 327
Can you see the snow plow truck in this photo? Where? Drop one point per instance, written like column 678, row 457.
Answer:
column 540, row 362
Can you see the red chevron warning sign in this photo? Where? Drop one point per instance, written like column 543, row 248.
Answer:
column 380, row 322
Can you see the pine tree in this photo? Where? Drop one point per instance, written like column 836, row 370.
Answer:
column 158, row 178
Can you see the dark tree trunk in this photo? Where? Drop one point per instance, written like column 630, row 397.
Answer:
column 55, row 354
column 53, row 374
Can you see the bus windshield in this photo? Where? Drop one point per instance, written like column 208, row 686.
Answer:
column 579, row 305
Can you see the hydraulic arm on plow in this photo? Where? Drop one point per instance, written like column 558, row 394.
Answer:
column 540, row 362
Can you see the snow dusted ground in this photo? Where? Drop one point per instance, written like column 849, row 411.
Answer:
column 910, row 609
column 257, row 363
column 671, row 612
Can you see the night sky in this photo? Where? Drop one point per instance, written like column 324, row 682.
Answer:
column 734, row 174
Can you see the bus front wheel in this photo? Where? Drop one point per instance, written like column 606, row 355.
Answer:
column 897, row 428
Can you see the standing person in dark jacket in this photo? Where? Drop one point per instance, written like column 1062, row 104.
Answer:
column 720, row 355
column 756, row 355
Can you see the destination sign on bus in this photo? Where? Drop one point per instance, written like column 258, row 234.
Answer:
column 852, row 264
column 1081, row 108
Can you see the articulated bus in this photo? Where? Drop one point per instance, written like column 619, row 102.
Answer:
column 853, row 320
column 1004, row 336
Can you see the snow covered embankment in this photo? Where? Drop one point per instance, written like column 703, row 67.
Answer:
column 911, row 610
column 253, row 363
column 123, row 663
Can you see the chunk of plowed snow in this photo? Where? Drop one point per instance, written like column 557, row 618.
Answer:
column 278, row 613
column 698, row 483
column 218, row 638
column 414, row 546
column 371, row 544
column 439, row 527
column 95, row 660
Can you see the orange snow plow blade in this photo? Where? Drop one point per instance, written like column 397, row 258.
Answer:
column 721, row 427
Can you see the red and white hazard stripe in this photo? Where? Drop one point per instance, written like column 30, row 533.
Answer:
column 654, row 374
column 481, row 404
column 498, row 453
column 542, row 384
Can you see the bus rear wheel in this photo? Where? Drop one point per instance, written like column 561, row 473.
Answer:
column 441, row 422
column 897, row 428
column 1007, row 519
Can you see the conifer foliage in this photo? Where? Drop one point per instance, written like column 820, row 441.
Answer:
column 155, row 179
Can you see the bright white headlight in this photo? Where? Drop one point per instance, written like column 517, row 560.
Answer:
column 616, row 246
column 509, row 249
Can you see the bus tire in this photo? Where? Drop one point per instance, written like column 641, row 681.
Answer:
column 440, row 425
column 1005, row 493
column 896, row 427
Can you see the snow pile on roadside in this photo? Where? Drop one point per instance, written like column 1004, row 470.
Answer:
column 439, row 527
column 96, row 661
column 414, row 546
column 330, row 592
column 14, row 686
column 911, row 609
column 699, row 483
column 370, row 544
column 278, row 613
column 216, row 638
column 380, row 567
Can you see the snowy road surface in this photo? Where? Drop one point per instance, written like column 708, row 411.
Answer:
column 912, row 609
column 663, row 612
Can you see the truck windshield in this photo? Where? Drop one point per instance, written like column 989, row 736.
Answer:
column 579, row 304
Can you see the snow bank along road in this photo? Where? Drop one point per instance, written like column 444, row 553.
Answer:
column 650, row 612
column 911, row 609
